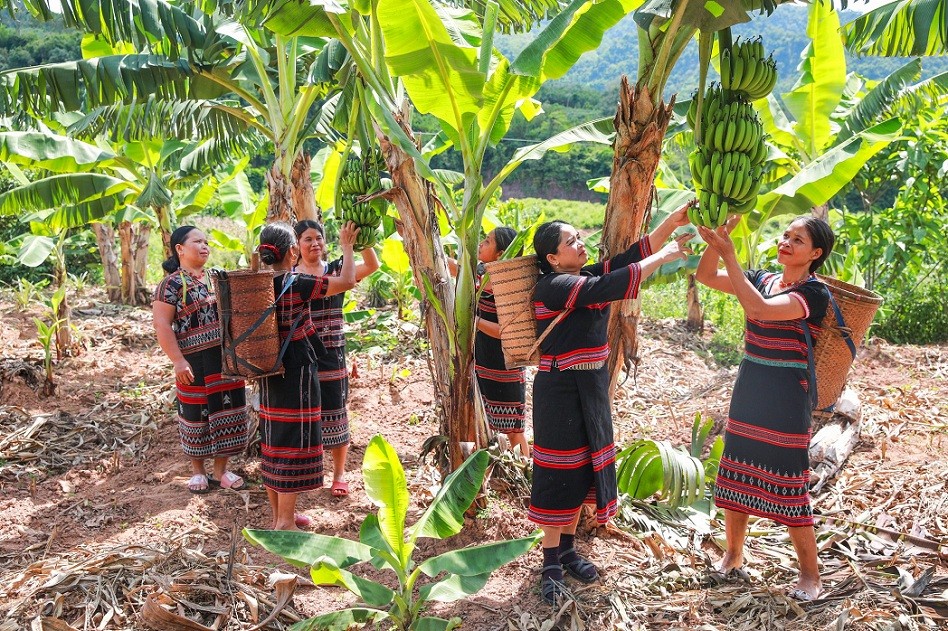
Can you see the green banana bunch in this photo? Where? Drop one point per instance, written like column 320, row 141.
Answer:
column 360, row 178
column 745, row 69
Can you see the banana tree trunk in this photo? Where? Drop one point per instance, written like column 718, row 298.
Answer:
column 452, row 366
column 304, row 197
column 280, row 189
column 133, row 240
column 292, row 199
column 105, row 238
column 695, row 310
column 640, row 129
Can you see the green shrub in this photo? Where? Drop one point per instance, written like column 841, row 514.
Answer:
column 917, row 316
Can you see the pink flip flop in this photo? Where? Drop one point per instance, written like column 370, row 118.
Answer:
column 231, row 481
column 302, row 520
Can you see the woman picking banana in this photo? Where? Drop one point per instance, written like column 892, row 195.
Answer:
column 327, row 316
column 764, row 470
column 573, row 450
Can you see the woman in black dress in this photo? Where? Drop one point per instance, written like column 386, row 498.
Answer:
column 573, row 450
column 291, row 449
column 503, row 390
column 211, row 410
column 764, row 470
column 327, row 316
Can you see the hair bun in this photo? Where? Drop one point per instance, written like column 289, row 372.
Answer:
column 269, row 254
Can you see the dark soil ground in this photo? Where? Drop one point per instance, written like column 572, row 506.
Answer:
column 96, row 514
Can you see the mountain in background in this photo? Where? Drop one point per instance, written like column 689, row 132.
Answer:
column 784, row 34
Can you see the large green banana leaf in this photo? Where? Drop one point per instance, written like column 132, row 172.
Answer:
column 157, row 117
column 341, row 620
column 577, row 29
column 145, row 23
column 816, row 95
column 304, row 549
column 441, row 76
column 311, row 19
column 85, row 84
column 478, row 560
column 901, row 28
column 647, row 467
column 822, row 178
column 61, row 190
column 445, row 515
column 51, row 152
column 34, row 250
column 454, row 587
column 386, row 487
column 516, row 16
column 879, row 100
column 325, row 572
column 599, row 131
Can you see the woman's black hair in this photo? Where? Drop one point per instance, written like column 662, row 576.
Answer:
column 546, row 240
column 305, row 224
column 503, row 237
column 276, row 239
column 178, row 237
column 821, row 235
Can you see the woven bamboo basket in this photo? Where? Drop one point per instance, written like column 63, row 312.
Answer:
column 242, row 298
column 513, row 282
column 831, row 355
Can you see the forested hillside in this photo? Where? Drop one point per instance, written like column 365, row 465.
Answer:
column 587, row 92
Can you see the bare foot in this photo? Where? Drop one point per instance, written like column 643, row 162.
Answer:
column 730, row 562
column 806, row 590
column 290, row 526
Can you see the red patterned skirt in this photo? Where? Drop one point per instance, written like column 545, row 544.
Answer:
column 212, row 411
column 334, row 391
column 291, row 450
column 765, row 467
column 573, row 449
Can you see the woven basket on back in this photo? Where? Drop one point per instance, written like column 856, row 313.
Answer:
column 513, row 281
column 832, row 356
column 250, row 351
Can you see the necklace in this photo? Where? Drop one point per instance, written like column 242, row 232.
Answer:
column 783, row 284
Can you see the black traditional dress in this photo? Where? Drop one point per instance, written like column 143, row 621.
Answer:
column 765, row 467
column 573, row 451
column 503, row 391
column 212, row 410
column 291, row 450
column 333, row 373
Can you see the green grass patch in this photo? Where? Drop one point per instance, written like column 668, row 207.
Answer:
column 582, row 215
column 670, row 300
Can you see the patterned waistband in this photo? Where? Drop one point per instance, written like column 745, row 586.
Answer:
column 587, row 366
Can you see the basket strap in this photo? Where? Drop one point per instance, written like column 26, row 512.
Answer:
column 542, row 337
column 844, row 330
column 811, row 367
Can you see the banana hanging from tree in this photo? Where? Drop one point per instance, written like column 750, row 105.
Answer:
column 727, row 163
column 360, row 178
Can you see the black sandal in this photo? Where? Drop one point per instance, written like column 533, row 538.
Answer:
column 551, row 590
column 580, row 568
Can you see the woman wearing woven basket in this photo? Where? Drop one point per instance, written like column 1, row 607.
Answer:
column 503, row 391
column 764, row 470
column 327, row 316
column 573, row 450
column 211, row 410
column 291, row 449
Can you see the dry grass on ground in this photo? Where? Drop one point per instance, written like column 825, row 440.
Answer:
column 99, row 532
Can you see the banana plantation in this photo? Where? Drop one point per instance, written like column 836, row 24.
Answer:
column 401, row 130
